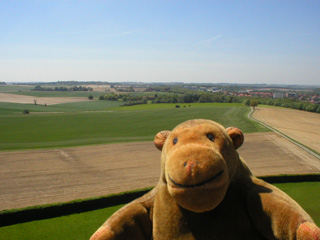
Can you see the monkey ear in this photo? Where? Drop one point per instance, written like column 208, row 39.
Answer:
column 160, row 138
column 236, row 136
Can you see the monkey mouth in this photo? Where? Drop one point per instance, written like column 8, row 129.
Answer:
column 198, row 184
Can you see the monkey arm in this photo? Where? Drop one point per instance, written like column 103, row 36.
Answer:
column 277, row 216
column 133, row 221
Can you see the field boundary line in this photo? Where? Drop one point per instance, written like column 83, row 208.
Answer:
column 310, row 151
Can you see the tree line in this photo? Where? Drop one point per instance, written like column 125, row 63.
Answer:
column 188, row 97
column 207, row 97
column 62, row 89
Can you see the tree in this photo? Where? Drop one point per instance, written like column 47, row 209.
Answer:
column 247, row 102
column 254, row 103
column 90, row 97
column 145, row 100
column 206, row 97
column 312, row 107
column 38, row 88
column 111, row 97
column 229, row 99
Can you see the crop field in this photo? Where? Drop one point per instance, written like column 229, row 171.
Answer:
column 15, row 109
column 15, row 98
column 83, row 225
column 77, row 150
column 36, row 177
column 62, row 129
column 15, row 88
column 299, row 125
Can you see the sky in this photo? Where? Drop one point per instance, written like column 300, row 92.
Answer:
column 266, row 42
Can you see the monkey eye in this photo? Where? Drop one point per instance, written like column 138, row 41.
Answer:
column 175, row 140
column 210, row 137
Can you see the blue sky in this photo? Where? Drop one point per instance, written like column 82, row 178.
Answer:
column 161, row 41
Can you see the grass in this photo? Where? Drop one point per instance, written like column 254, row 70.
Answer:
column 307, row 194
column 16, row 108
column 14, row 89
column 75, row 226
column 83, row 225
column 84, row 128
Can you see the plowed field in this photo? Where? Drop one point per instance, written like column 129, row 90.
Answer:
column 37, row 177
column 16, row 98
column 302, row 126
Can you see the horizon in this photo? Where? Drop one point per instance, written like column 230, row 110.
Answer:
column 166, row 83
column 207, row 42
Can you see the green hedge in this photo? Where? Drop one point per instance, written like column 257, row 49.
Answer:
column 286, row 178
column 14, row 216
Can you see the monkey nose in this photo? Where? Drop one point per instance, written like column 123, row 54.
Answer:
column 189, row 165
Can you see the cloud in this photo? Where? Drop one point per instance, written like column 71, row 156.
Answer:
column 125, row 33
column 208, row 41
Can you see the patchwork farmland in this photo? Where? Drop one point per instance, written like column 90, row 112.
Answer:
column 56, row 175
column 53, row 173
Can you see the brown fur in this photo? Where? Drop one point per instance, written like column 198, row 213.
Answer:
column 206, row 191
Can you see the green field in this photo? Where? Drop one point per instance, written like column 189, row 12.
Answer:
column 307, row 194
column 83, row 225
column 15, row 109
column 73, row 125
column 75, row 226
column 14, row 88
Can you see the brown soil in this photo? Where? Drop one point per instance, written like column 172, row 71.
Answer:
column 16, row 98
column 299, row 125
column 100, row 88
column 37, row 177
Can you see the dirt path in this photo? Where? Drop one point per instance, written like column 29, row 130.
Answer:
column 36, row 177
column 16, row 98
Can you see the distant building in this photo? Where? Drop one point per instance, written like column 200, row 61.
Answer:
column 140, row 89
column 262, row 94
column 214, row 89
column 278, row 95
column 191, row 87
column 291, row 95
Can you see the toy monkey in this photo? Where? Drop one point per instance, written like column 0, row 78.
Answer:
column 206, row 191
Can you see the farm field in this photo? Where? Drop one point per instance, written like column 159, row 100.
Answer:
column 45, row 94
column 83, row 225
column 38, row 177
column 16, row 98
column 301, row 126
column 96, row 92
column 15, row 88
column 16, row 109
column 64, row 171
column 63, row 129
